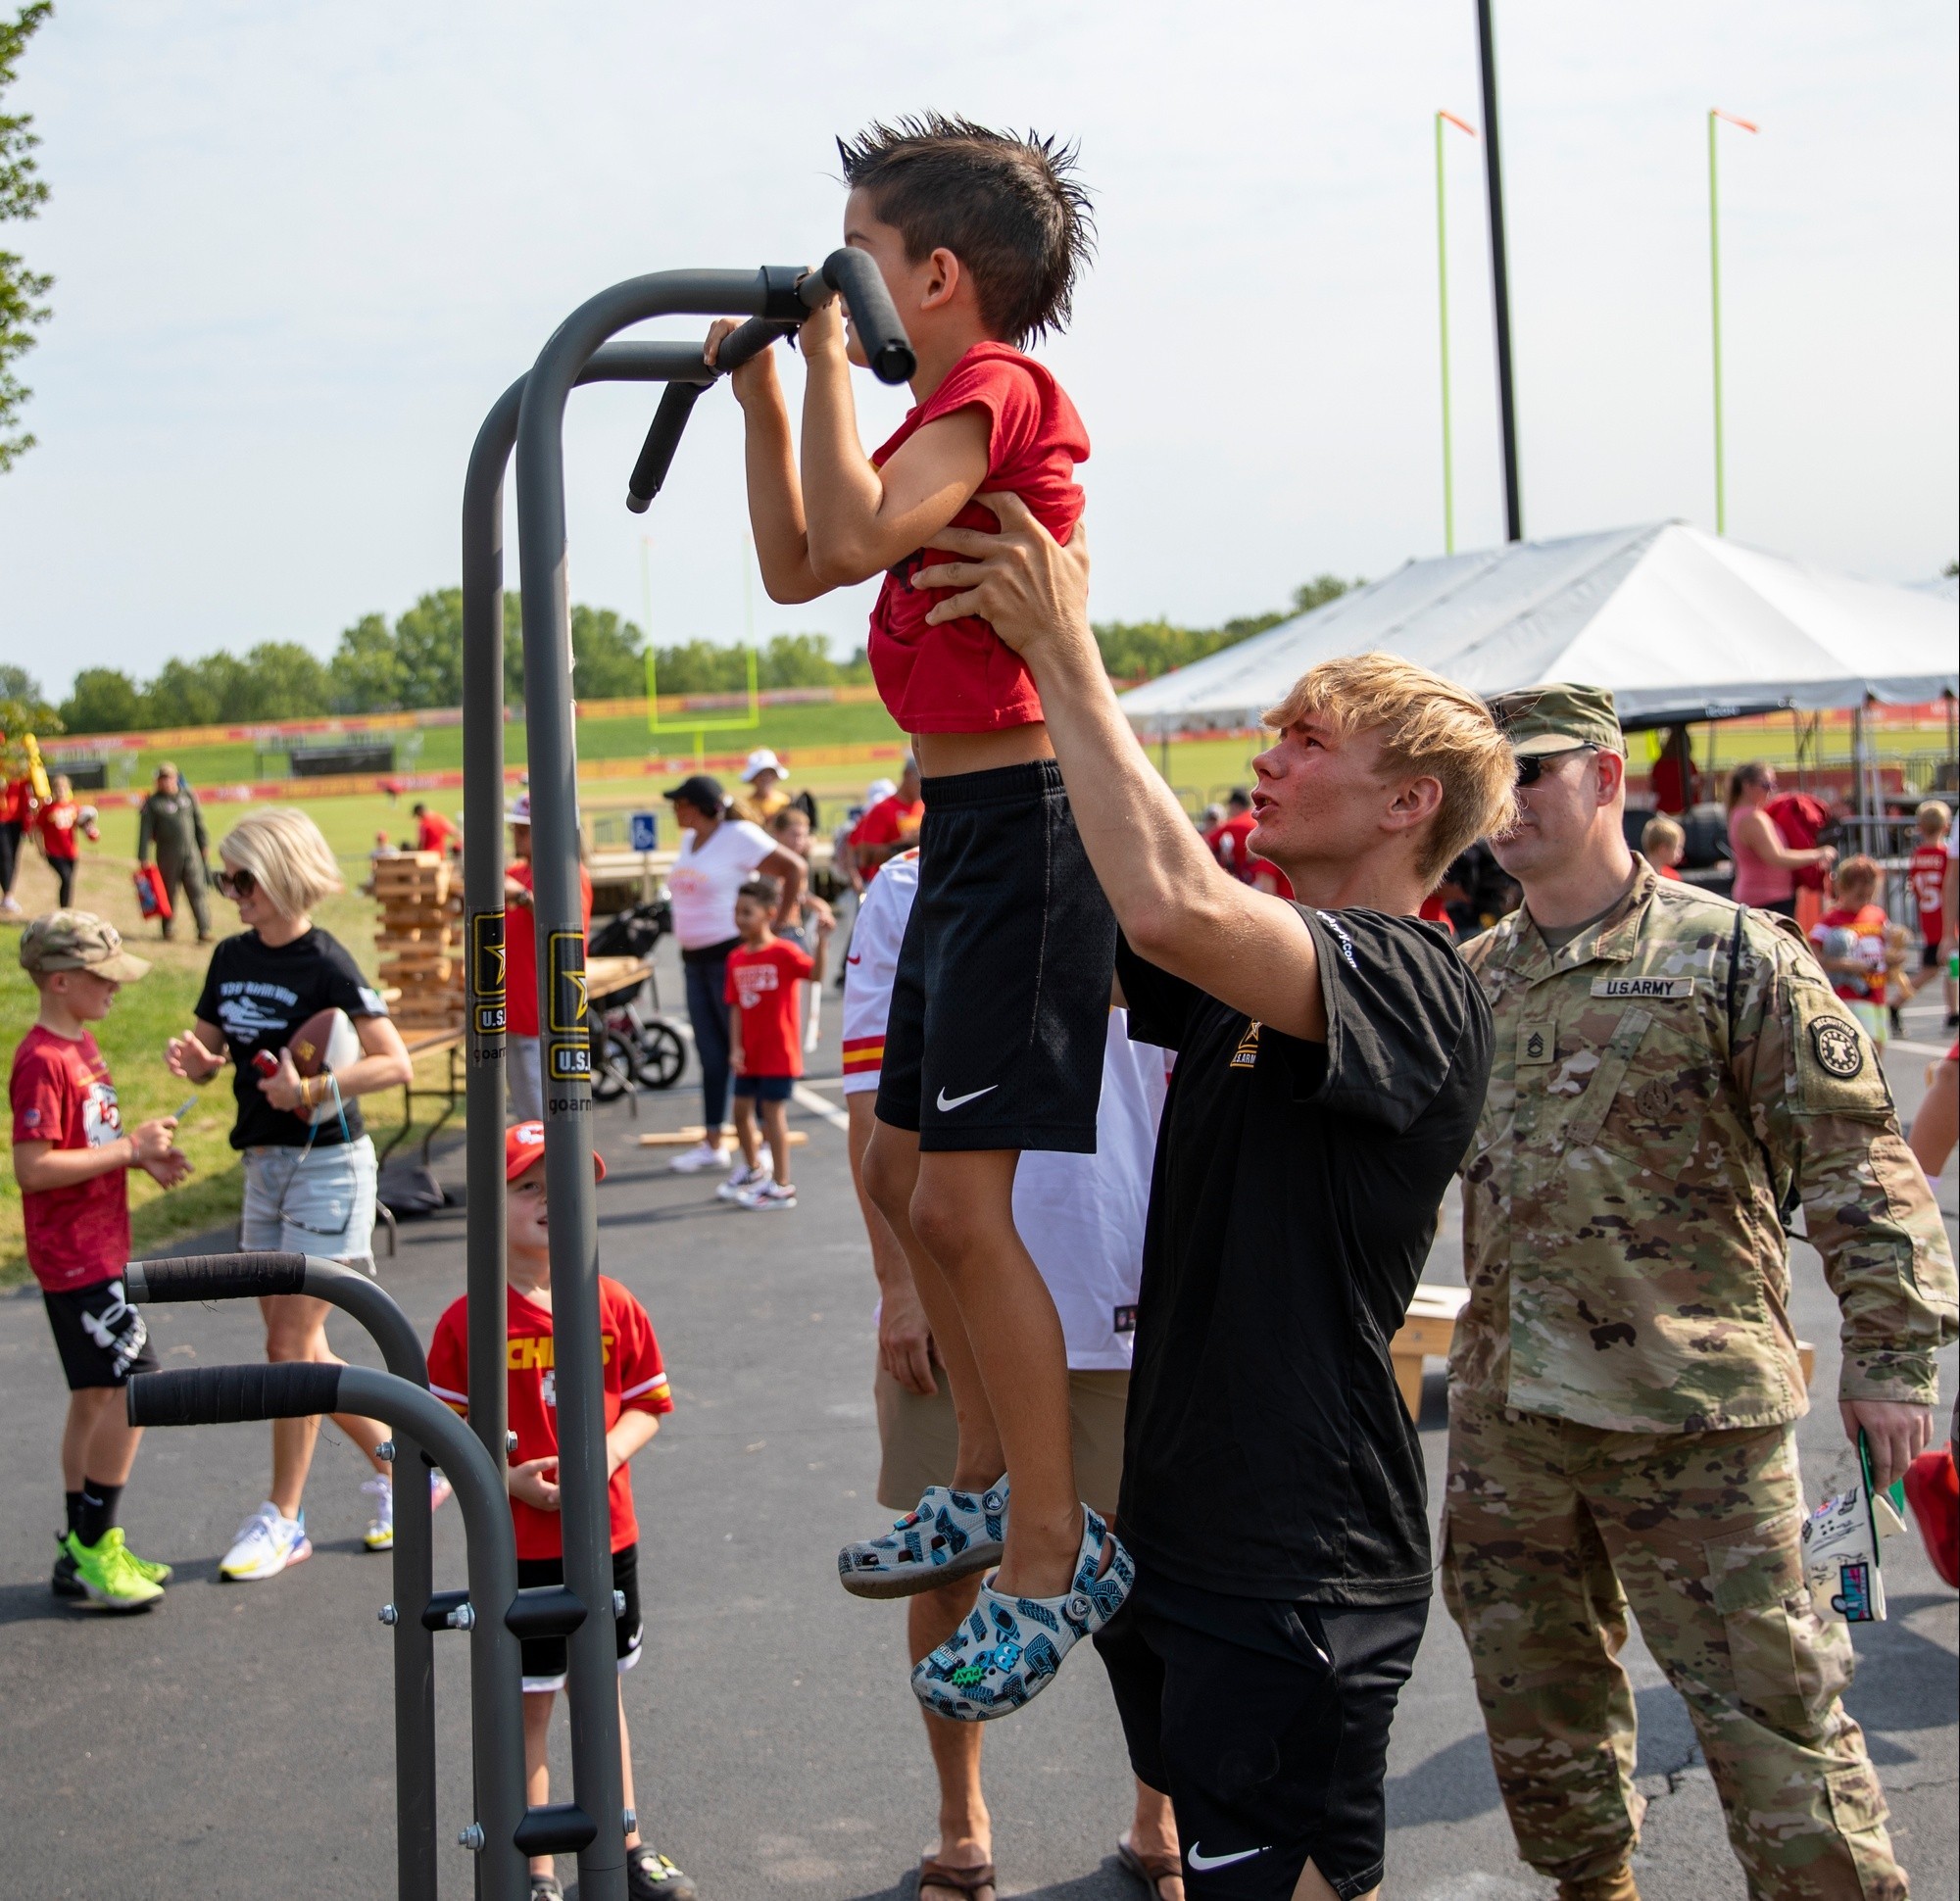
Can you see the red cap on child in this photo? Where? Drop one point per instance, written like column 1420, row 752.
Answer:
column 525, row 1145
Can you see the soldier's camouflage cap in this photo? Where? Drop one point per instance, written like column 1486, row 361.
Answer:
column 79, row 941
column 1552, row 718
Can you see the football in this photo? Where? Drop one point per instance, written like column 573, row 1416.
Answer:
column 326, row 1039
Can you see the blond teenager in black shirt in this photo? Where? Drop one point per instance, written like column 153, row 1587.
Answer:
column 1331, row 1059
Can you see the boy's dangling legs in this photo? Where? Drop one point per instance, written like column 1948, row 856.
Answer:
column 963, row 1214
column 891, row 1179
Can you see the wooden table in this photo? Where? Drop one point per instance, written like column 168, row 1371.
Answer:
column 1431, row 1326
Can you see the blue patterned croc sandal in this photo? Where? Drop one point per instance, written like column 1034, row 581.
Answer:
column 949, row 1535
column 1008, row 1649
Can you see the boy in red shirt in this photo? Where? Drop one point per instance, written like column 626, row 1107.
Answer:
column 766, row 1046
column 1000, row 1006
column 1926, row 874
column 1852, row 944
column 72, row 1158
column 891, row 826
column 636, row 1394
column 63, row 825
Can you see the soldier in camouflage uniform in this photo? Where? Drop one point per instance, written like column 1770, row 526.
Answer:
column 1671, row 1073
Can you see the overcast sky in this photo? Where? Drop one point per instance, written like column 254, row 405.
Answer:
column 300, row 248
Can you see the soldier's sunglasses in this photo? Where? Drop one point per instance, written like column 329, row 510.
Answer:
column 1531, row 768
column 234, row 884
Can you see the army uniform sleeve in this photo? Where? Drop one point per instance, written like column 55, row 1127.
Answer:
column 1824, row 1114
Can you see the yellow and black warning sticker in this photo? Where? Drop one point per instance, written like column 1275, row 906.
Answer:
column 486, row 972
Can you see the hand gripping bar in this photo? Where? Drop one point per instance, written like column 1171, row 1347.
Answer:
column 224, row 1395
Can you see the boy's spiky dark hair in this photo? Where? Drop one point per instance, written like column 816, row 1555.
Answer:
column 1010, row 208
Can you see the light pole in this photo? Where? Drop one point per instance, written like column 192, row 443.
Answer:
column 1442, row 329
column 1715, row 304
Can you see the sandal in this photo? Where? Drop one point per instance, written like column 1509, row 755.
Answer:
column 1151, row 1869
column 955, row 1881
column 1007, row 1649
column 949, row 1535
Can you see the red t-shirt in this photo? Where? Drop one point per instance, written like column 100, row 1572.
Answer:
column 61, row 1094
column 762, row 984
column 1668, row 871
column 520, row 952
column 634, row 1377
column 1868, row 921
column 16, row 796
column 60, row 829
column 433, row 832
column 891, row 821
column 961, row 677
column 1926, row 874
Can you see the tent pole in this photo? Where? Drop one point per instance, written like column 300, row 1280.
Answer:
column 1501, row 283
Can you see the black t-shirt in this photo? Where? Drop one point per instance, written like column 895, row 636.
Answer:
column 258, row 996
column 1267, row 1452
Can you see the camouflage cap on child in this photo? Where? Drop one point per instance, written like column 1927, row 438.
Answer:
column 79, row 941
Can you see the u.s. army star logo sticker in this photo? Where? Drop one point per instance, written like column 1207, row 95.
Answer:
column 1836, row 1045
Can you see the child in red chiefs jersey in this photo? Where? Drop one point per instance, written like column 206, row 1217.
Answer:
column 636, row 1394
column 999, row 1008
column 72, row 1158
column 1854, row 943
column 764, row 993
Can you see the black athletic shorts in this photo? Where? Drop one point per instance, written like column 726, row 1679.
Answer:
column 1001, row 1001
column 1267, row 1724
column 101, row 1337
column 544, row 1659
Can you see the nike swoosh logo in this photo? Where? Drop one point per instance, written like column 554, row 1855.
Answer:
column 1200, row 1861
column 858, row 960
column 947, row 1102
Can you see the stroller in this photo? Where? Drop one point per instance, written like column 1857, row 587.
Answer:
column 634, row 1047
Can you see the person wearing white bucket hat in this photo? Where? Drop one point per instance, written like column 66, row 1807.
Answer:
column 764, row 776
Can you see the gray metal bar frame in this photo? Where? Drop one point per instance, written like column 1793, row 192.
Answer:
column 592, row 1679
column 367, row 1302
column 496, row 1681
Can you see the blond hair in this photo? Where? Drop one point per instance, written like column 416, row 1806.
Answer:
column 1430, row 727
column 1934, row 809
column 1657, row 834
column 289, row 860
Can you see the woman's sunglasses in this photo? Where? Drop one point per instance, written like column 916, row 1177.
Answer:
column 237, row 883
column 1531, row 768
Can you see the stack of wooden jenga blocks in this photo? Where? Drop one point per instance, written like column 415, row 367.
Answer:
column 419, row 939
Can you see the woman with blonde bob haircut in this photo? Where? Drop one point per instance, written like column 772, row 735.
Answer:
column 309, row 1162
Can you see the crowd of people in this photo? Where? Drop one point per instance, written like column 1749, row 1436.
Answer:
column 1149, row 1127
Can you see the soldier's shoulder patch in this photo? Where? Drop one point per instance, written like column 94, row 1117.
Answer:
column 1838, row 1070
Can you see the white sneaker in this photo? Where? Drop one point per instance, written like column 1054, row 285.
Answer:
column 380, row 1532
column 740, row 1182
column 767, row 1198
column 380, row 1486
column 266, row 1544
column 703, row 1155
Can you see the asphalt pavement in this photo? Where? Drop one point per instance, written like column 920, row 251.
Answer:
column 235, row 1743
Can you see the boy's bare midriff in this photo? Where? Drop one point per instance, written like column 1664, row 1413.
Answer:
column 941, row 755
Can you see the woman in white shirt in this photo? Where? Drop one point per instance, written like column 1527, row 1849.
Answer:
column 718, row 855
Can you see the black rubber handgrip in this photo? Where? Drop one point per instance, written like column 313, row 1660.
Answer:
column 887, row 348
column 751, row 340
column 554, row 1829
column 223, row 1396
column 215, row 1277
column 656, row 453
column 545, row 1611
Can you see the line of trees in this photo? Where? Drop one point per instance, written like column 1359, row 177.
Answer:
column 415, row 661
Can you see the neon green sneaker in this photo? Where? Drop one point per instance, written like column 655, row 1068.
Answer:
column 157, row 1574
column 104, row 1570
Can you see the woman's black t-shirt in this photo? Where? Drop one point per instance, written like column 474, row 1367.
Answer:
column 258, row 996
column 1267, row 1452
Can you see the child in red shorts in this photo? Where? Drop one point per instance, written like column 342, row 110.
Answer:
column 999, row 1008
column 636, row 1394
column 72, row 1158
column 764, row 991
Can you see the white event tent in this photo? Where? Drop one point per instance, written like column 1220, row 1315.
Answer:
column 1681, row 625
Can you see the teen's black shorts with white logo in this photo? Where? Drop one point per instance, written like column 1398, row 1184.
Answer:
column 1001, row 1001
column 546, row 1659
column 1267, row 1724
column 101, row 1337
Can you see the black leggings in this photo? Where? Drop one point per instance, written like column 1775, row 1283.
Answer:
column 64, row 870
column 10, row 855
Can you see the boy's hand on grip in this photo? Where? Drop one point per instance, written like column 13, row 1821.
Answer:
column 749, row 379
column 823, row 331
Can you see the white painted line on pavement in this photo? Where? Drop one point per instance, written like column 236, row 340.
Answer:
column 806, row 1098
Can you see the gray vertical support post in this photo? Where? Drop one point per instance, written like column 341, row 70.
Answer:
column 1501, row 277
column 483, row 911
column 592, row 1679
